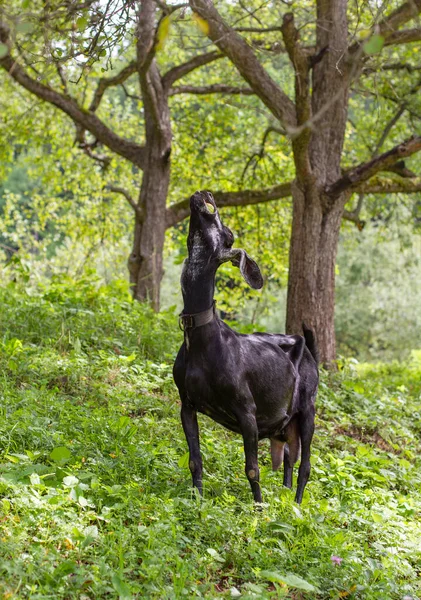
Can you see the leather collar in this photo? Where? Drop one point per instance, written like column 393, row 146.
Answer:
column 192, row 321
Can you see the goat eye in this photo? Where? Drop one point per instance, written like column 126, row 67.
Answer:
column 210, row 208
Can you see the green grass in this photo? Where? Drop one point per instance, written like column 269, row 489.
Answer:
column 95, row 497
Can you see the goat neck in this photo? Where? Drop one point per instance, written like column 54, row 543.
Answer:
column 197, row 285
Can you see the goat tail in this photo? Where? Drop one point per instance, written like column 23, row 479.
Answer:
column 310, row 339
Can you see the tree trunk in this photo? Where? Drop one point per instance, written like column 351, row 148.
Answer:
column 317, row 218
column 312, row 259
column 145, row 261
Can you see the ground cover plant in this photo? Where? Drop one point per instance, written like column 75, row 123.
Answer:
column 95, row 498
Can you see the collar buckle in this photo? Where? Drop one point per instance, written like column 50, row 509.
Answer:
column 186, row 321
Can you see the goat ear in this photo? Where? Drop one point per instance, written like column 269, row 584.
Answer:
column 248, row 267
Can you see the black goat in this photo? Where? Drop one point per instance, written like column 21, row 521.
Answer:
column 260, row 385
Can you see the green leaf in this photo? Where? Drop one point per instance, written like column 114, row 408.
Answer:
column 60, row 455
column 374, row 44
column 183, row 461
column 81, row 23
column 290, row 580
column 12, row 459
column 70, row 481
column 215, row 555
column 3, row 50
column 121, row 587
column 25, row 27
column 35, row 479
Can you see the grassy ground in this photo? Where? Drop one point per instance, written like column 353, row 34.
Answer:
column 95, row 498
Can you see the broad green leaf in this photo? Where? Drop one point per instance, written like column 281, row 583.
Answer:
column 35, row 479
column 3, row 50
column 60, row 455
column 374, row 44
column 121, row 587
column 70, row 481
column 290, row 580
column 12, row 459
column 215, row 555
column 81, row 23
column 183, row 461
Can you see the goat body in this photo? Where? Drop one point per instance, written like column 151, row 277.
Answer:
column 259, row 385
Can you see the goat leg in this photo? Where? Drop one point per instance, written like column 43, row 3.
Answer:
column 288, row 467
column 250, row 434
column 292, row 450
column 191, row 431
column 306, row 428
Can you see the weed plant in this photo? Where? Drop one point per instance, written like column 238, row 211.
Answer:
column 95, row 496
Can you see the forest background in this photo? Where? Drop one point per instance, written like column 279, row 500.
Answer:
column 64, row 195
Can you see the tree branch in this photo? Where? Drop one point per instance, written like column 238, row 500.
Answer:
column 390, row 186
column 258, row 29
column 354, row 177
column 180, row 71
column 243, row 57
column 179, row 211
column 88, row 148
column 217, row 88
column 119, row 190
column 388, row 27
column 301, row 64
column 398, row 67
column 400, row 16
column 87, row 120
column 388, row 128
column 257, row 156
column 106, row 82
column 354, row 215
column 405, row 36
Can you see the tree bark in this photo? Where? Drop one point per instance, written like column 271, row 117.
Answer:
column 145, row 260
column 312, row 259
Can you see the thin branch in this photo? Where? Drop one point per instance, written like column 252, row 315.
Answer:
column 180, row 71
column 388, row 27
column 242, row 56
column 132, row 96
column 106, row 82
column 354, row 215
column 388, row 128
column 301, row 64
column 399, row 66
column 352, row 179
column 258, row 156
column 217, row 88
column 170, row 9
column 85, row 119
column 257, row 29
column 179, row 211
column 119, row 190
